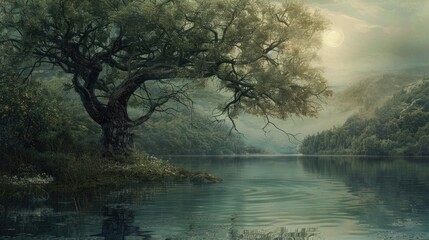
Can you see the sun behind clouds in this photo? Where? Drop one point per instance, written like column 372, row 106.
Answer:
column 333, row 38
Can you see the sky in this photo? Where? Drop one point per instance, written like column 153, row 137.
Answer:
column 365, row 37
column 378, row 36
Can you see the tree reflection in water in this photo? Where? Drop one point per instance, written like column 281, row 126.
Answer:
column 368, row 197
column 392, row 192
column 118, row 223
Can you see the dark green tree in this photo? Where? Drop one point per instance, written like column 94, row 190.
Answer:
column 148, row 52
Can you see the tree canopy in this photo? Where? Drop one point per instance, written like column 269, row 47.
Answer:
column 149, row 52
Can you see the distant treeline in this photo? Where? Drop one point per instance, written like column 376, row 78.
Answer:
column 398, row 127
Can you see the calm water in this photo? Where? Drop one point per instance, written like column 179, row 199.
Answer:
column 337, row 197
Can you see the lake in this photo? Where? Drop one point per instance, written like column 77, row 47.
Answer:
column 325, row 197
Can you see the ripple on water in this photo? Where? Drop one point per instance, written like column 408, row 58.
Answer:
column 347, row 200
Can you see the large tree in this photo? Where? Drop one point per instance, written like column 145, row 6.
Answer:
column 149, row 51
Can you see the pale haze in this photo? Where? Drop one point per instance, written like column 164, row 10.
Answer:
column 379, row 36
column 365, row 38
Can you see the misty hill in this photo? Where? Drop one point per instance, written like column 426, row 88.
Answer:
column 184, row 134
column 373, row 91
column 399, row 127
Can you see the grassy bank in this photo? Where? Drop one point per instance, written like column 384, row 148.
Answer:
column 31, row 174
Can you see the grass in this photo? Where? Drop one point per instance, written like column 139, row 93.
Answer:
column 282, row 234
column 31, row 174
column 257, row 234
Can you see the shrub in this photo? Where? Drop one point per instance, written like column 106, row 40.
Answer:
column 27, row 112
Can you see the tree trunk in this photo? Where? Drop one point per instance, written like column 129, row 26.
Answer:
column 116, row 139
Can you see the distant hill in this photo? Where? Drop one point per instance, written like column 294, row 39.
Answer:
column 372, row 92
column 184, row 134
column 400, row 126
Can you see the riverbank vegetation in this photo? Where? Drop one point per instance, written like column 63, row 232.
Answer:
column 43, row 147
column 85, row 171
column 32, row 175
column 400, row 126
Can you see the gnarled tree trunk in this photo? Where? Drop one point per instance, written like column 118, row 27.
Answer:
column 117, row 137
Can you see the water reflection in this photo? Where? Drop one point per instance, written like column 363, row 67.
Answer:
column 103, row 214
column 392, row 194
column 118, row 223
column 335, row 197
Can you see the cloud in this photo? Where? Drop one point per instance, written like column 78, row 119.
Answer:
column 365, row 8
column 380, row 35
column 357, row 24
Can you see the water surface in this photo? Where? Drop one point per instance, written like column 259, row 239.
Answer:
column 337, row 197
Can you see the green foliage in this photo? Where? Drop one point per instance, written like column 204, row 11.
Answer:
column 40, row 115
column 28, row 112
column 77, row 131
column 400, row 126
column 372, row 92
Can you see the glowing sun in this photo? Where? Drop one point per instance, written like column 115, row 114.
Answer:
column 333, row 38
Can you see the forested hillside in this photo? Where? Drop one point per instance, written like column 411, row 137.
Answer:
column 371, row 92
column 181, row 134
column 399, row 127
column 44, row 117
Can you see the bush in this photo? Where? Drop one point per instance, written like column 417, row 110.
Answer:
column 27, row 112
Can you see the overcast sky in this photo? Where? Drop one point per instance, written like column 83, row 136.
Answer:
column 379, row 36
